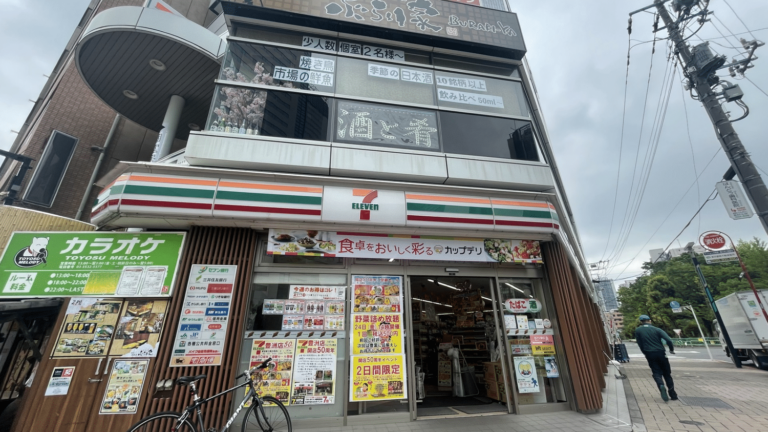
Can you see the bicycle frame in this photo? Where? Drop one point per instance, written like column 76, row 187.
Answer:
column 199, row 402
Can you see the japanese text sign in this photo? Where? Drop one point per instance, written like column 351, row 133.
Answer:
column 377, row 377
column 542, row 345
column 314, row 374
column 377, row 334
column 525, row 372
column 734, row 200
column 276, row 378
column 57, row 264
column 123, row 390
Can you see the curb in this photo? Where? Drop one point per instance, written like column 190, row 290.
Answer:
column 638, row 424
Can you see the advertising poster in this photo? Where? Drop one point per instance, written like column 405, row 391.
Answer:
column 550, row 364
column 510, row 323
column 138, row 329
column 334, row 322
column 525, row 372
column 273, row 307
column 293, row 322
column 335, row 308
column 316, row 292
column 55, row 264
column 61, row 378
column 314, row 322
column 204, row 318
column 522, row 322
column 377, row 334
column 124, row 387
column 293, row 306
column 377, row 377
column 377, row 294
column 314, row 372
column 276, row 378
column 542, row 345
column 88, row 329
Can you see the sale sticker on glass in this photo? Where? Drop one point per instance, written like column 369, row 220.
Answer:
column 56, row 264
column 377, row 293
column 276, row 378
column 88, row 329
column 124, row 387
column 61, row 378
column 314, row 372
column 377, row 377
column 377, row 334
column 204, row 316
column 542, row 345
column 525, row 372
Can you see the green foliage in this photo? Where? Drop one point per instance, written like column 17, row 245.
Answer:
column 676, row 280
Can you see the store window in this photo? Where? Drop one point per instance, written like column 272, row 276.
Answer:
column 51, row 169
column 474, row 65
column 385, row 81
column 496, row 137
column 479, row 93
column 385, row 125
column 250, row 111
column 535, row 354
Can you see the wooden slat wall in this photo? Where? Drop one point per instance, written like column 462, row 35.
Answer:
column 580, row 328
column 21, row 219
column 212, row 246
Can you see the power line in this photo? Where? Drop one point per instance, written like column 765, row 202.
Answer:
column 756, row 86
column 737, row 16
column 737, row 34
column 693, row 154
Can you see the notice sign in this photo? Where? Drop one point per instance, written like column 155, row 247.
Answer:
column 316, row 292
column 377, row 334
column 725, row 255
column 734, row 200
column 61, row 378
column 525, row 372
column 377, row 294
column 542, row 345
column 55, row 264
column 314, row 372
column 377, row 377
column 124, row 387
column 204, row 317
column 276, row 378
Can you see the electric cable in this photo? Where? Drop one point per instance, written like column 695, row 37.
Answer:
column 756, row 86
column 739, row 18
column 693, row 154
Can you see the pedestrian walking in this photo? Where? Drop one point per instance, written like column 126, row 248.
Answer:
column 649, row 340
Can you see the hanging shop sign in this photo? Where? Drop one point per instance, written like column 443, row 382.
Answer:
column 61, row 379
column 523, row 305
column 57, row 264
column 202, row 329
column 377, row 334
column 550, row 365
column 314, row 372
column 734, row 200
column 88, row 328
column 542, row 345
column 316, row 292
column 123, row 391
column 276, row 378
column 138, row 329
column 377, row 377
column 384, row 246
column 525, row 372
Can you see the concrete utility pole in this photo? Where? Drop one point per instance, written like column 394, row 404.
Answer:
column 704, row 81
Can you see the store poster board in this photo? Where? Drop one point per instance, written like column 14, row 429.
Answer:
column 316, row 292
column 542, row 345
column 525, row 373
column 377, row 378
column 123, row 392
column 314, row 372
column 104, row 264
column 276, row 378
column 550, row 365
column 61, row 379
column 372, row 294
column 138, row 329
column 202, row 330
column 310, row 307
column 88, row 328
column 377, row 334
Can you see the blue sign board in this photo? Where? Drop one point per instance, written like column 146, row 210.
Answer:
column 674, row 304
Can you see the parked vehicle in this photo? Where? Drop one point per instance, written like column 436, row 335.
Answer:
column 746, row 326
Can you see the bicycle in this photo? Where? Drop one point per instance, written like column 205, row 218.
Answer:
column 256, row 416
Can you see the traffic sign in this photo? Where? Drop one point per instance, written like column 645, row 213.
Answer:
column 677, row 310
column 713, row 241
column 674, row 304
column 726, row 255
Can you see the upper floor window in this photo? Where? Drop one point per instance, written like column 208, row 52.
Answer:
column 51, row 169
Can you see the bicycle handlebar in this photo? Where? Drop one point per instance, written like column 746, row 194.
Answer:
column 263, row 365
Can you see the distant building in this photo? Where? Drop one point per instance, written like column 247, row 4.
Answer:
column 608, row 293
column 618, row 320
column 660, row 255
column 626, row 284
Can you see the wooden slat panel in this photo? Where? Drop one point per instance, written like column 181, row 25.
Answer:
column 21, row 219
column 211, row 246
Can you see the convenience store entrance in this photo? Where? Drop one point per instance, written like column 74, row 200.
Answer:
column 456, row 355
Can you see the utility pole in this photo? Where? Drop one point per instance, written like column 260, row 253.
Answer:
column 700, row 67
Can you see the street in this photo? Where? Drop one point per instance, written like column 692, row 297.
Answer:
column 681, row 353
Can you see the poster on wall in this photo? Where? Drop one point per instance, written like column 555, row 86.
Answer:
column 314, row 372
column 525, row 372
column 334, row 322
column 316, row 292
column 293, row 322
column 88, row 329
column 377, row 377
column 138, row 329
column 273, row 307
column 55, row 264
column 276, row 378
column 61, row 378
column 550, row 364
column 202, row 329
column 377, row 334
column 377, row 294
column 543, row 345
column 123, row 391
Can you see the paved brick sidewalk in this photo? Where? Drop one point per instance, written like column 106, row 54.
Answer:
column 744, row 390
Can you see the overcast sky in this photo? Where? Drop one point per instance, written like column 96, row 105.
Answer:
column 577, row 51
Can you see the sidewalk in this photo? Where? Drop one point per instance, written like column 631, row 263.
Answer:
column 714, row 396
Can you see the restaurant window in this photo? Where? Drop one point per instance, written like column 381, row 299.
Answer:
column 385, row 125
column 250, row 111
column 50, row 171
column 496, row 137
column 477, row 93
column 386, row 81
column 474, row 65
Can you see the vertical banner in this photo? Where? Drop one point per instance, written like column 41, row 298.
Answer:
column 525, row 372
column 377, row 334
column 124, row 387
column 377, row 377
column 276, row 378
column 314, row 373
column 204, row 316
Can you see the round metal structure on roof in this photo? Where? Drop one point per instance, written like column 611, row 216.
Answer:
column 136, row 58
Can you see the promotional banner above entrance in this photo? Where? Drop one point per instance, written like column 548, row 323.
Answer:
column 68, row 264
column 385, row 246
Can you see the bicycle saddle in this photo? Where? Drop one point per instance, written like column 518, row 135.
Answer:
column 187, row 380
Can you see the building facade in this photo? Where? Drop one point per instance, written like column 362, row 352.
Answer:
column 376, row 183
column 607, row 291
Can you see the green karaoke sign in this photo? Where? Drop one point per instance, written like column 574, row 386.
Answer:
column 103, row 264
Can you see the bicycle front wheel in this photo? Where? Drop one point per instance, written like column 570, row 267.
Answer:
column 162, row 422
column 273, row 418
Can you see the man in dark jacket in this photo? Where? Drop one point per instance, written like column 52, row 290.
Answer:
column 649, row 340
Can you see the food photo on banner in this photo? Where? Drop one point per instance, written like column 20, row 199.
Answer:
column 138, row 329
column 314, row 372
column 377, row 334
column 377, row 294
column 123, row 391
column 89, row 327
column 276, row 378
column 377, row 377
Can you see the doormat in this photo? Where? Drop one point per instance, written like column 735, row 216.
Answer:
column 438, row 411
column 704, row 402
column 481, row 409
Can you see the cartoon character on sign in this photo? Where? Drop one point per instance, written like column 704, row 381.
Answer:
column 525, row 369
column 34, row 254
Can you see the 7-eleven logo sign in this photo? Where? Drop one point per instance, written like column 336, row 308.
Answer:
column 366, row 206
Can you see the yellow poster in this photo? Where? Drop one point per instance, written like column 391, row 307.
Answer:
column 276, row 378
column 377, row 333
column 314, row 375
column 124, row 387
column 377, row 377
column 542, row 345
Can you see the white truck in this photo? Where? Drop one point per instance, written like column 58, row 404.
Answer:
column 746, row 326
